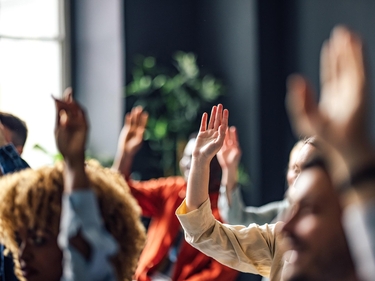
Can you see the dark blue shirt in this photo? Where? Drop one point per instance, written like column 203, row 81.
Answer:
column 10, row 161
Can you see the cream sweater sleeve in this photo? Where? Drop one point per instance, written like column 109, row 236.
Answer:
column 254, row 249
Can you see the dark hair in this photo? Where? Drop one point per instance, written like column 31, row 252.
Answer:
column 17, row 126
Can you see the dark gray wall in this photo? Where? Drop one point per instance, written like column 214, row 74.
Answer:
column 228, row 45
column 252, row 45
column 223, row 34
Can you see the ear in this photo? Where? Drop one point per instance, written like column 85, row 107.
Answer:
column 19, row 149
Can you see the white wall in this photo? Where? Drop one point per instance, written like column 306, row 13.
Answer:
column 98, row 53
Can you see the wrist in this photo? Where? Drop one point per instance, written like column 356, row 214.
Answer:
column 76, row 162
column 75, row 178
column 358, row 155
column 360, row 177
column 201, row 161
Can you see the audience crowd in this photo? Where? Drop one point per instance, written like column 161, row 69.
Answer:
column 76, row 220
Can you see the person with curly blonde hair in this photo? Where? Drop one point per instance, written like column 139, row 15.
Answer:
column 74, row 220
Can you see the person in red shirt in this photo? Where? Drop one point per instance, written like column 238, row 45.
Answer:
column 167, row 256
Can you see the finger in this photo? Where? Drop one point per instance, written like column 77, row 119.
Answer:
column 58, row 106
column 224, row 124
column 65, row 112
column 127, row 119
column 224, row 120
column 144, row 118
column 203, row 126
column 75, row 114
column 133, row 114
column 68, row 95
column 234, row 136
column 227, row 139
column 336, row 40
column 212, row 118
column 325, row 66
column 300, row 105
column 61, row 104
column 139, row 116
column 218, row 116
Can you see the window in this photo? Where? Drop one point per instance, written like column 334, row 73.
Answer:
column 32, row 39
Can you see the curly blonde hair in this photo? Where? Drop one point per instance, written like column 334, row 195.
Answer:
column 32, row 198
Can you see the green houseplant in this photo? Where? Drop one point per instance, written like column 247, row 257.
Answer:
column 175, row 99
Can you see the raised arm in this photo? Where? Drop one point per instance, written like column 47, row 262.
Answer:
column 341, row 121
column 86, row 244
column 209, row 141
column 229, row 158
column 71, row 133
column 340, row 118
column 130, row 140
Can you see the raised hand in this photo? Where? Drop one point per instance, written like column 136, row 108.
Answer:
column 211, row 137
column 130, row 140
column 71, row 128
column 208, row 142
column 70, row 134
column 340, row 118
column 229, row 158
column 229, row 155
column 131, row 136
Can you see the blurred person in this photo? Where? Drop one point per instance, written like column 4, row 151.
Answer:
column 71, row 221
column 315, row 235
column 264, row 249
column 15, row 130
column 166, row 255
column 231, row 204
column 13, row 134
column 341, row 120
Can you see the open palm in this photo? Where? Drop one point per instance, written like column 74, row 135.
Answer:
column 131, row 136
column 211, row 137
column 230, row 153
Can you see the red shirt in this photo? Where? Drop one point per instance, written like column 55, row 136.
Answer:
column 159, row 200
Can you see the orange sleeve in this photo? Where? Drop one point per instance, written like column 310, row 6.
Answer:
column 152, row 194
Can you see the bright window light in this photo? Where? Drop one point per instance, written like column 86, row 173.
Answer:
column 31, row 69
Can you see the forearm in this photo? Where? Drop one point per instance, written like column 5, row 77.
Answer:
column 359, row 183
column 197, row 186
column 229, row 179
column 123, row 163
column 230, row 245
column 75, row 177
column 358, row 155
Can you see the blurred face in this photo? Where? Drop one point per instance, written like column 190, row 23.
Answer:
column 215, row 169
column 39, row 255
column 292, row 171
column 318, row 246
column 8, row 134
column 185, row 161
column 301, row 157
